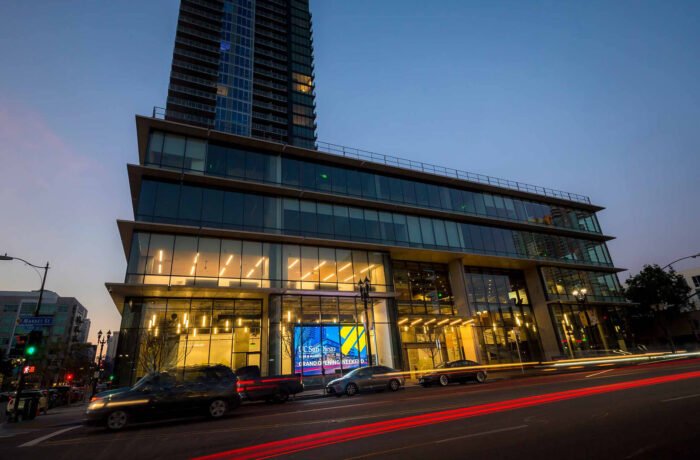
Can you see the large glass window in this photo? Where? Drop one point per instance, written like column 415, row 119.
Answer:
column 560, row 283
column 161, row 333
column 197, row 206
column 201, row 261
column 195, row 156
column 503, row 320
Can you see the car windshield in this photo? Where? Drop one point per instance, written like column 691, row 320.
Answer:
column 142, row 381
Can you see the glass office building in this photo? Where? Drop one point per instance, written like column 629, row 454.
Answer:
column 244, row 251
column 245, row 67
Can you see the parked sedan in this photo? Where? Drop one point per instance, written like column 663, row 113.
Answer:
column 195, row 390
column 454, row 371
column 366, row 378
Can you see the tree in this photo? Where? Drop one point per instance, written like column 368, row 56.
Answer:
column 659, row 296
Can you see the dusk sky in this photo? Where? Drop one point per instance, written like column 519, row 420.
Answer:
column 596, row 98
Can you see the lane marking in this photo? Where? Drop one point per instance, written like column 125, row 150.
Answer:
column 598, row 373
column 413, row 446
column 50, row 435
column 680, row 397
column 326, row 438
column 336, row 407
column 483, row 433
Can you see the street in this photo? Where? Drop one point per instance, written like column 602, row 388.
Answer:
column 643, row 411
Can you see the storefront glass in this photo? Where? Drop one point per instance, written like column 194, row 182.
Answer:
column 587, row 331
column 161, row 333
column 504, row 322
column 321, row 337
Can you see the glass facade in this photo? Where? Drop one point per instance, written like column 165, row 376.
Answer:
column 561, row 282
column 181, row 260
column 189, row 205
column 158, row 333
column 505, row 325
column 235, row 77
column 587, row 331
column 422, row 288
column 236, row 163
column 320, row 337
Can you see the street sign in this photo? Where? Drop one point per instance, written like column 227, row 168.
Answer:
column 36, row 321
column 28, row 369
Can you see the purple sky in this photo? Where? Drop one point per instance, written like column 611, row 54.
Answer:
column 597, row 98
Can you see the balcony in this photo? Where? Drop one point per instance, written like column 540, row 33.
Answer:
column 201, row 13
column 278, row 56
column 193, row 92
column 270, row 73
column 197, row 56
column 270, row 117
column 190, row 104
column 270, row 95
column 215, row 6
column 216, row 38
column 268, row 63
column 196, row 44
column 270, row 106
column 195, row 67
column 193, row 79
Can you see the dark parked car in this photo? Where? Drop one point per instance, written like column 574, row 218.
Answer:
column 454, row 371
column 366, row 378
column 195, row 390
column 273, row 388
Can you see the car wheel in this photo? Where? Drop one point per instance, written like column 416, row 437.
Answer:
column 480, row 377
column 281, row 395
column 217, row 408
column 351, row 389
column 444, row 380
column 394, row 385
column 117, row 420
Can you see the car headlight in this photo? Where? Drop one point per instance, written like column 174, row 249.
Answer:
column 99, row 404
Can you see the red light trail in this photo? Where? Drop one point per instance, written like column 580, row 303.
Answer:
column 315, row 440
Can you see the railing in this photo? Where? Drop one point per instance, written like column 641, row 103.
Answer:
column 390, row 160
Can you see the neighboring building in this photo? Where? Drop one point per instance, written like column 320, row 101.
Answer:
column 244, row 67
column 112, row 347
column 69, row 317
column 692, row 276
column 255, row 259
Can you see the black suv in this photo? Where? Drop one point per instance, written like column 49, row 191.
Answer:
column 195, row 390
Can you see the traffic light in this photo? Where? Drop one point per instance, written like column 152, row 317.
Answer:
column 20, row 345
column 69, row 377
column 111, row 377
column 33, row 343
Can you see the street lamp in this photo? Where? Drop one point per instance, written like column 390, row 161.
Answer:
column 20, row 382
column 682, row 258
column 364, row 287
column 580, row 295
column 102, row 342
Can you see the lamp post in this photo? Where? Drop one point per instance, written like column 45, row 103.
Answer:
column 682, row 258
column 20, row 382
column 364, row 287
column 580, row 295
column 101, row 342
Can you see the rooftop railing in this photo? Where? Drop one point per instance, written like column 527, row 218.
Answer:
column 390, row 160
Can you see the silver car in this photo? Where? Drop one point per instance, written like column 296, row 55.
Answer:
column 366, row 378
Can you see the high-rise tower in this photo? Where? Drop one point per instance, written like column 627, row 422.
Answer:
column 245, row 67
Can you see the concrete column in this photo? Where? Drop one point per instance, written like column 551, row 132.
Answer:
column 538, row 302
column 458, row 283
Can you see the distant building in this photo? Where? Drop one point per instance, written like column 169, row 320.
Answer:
column 692, row 276
column 245, row 67
column 112, row 347
column 69, row 323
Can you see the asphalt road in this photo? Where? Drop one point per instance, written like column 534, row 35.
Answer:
column 647, row 411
